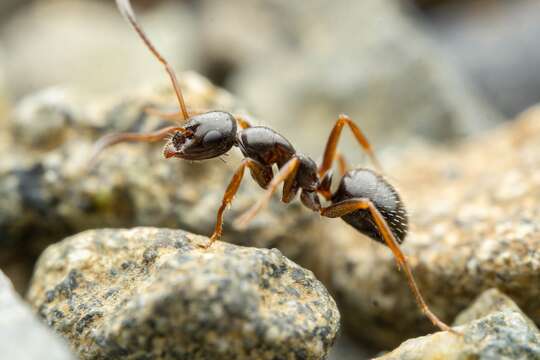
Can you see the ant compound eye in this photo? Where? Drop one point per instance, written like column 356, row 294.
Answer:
column 212, row 137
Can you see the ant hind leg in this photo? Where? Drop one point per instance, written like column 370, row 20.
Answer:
column 347, row 206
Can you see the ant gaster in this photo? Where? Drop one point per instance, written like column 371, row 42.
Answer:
column 364, row 199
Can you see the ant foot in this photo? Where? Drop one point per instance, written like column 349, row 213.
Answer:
column 213, row 239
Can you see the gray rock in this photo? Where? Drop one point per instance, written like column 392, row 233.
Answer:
column 112, row 59
column 494, row 53
column 298, row 65
column 22, row 335
column 154, row 293
column 47, row 192
column 475, row 225
column 40, row 120
column 303, row 64
column 502, row 332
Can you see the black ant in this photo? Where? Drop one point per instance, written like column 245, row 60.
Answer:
column 364, row 199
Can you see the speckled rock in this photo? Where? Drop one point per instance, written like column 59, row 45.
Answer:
column 47, row 192
column 475, row 224
column 154, row 293
column 494, row 329
column 19, row 328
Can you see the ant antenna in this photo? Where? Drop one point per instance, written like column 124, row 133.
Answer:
column 127, row 12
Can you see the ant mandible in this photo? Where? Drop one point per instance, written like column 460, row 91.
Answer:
column 364, row 199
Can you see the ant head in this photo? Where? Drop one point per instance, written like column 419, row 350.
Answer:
column 205, row 136
column 307, row 176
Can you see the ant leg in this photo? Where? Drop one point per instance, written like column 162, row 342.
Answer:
column 326, row 180
column 113, row 139
column 125, row 9
column 258, row 171
column 342, row 163
column 331, row 145
column 347, row 206
column 242, row 121
column 288, row 171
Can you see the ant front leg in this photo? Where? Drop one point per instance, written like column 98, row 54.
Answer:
column 262, row 174
column 331, row 145
column 113, row 139
column 286, row 174
column 348, row 206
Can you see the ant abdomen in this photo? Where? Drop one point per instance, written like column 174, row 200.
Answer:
column 367, row 184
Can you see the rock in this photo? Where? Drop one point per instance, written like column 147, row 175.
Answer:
column 488, row 302
column 40, row 120
column 48, row 193
column 494, row 53
column 4, row 96
column 154, row 293
column 87, row 44
column 501, row 332
column 290, row 61
column 346, row 348
column 475, row 225
column 300, row 68
column 19, row 328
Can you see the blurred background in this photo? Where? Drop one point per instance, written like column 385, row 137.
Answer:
column 409, row 72
column 434, row 69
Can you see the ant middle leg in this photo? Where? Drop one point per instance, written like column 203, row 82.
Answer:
column 347, row 206
column 286, row 174
column 331, row 145
column 262, row 174
column 326, row 180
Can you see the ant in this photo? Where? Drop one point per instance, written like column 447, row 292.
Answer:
column 363, row 199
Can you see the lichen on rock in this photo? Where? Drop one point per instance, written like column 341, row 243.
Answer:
column 156, row 293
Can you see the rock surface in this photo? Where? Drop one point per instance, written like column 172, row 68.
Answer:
column 475, row 219
column 154, row 293
column 19, row 328
column 47, row 192
column 493, row 328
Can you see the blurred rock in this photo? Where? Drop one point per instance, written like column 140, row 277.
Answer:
column 475, row 218
column 346, row 348
column 154, row 293
column 488, row 302
column 4, row 97
column 500, row 58
column 47, row 192
column 299, row 65
column 22, row 335
column 501, row 331
column 40, row 119
column 87, row 44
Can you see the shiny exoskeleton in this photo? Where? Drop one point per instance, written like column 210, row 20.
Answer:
column 363, row 199
column 214, row 133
